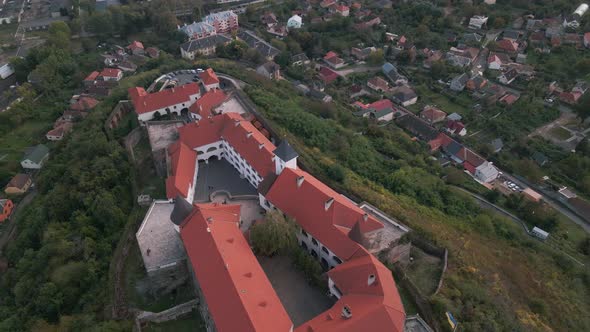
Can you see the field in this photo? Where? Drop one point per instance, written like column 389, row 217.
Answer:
column 560, row 133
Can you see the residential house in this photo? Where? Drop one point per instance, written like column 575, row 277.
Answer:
column 362, row 54
column 299, row 60
column 475, row 83
column 477, row 22
column 368, row 24
column 136, row 48
column 378, row 84
column 264, row 48
column 356, row 91
column 392, row 74
column 497, row 145
column 204, row 46
column 269, row 19
column 333, row 60
column 454, row 117
column 456, row 128
column 152, row 52
column 458, row 83
column 19, row 184
column 571, row 97
column 508, row 45
column 82, row 103
column 327, row 3
column 509, row 98
column 472, row 38
column 6, row 207
column 417, row 127
column 461, row 57
column 223, row 22
column 404, row 95
column 342, row 10
column 327, row 75
column 320, row 95
column 497, row 61
column 521, row 58
column 58, row 133
column 587, row 39
column 381, row 110
column 540, row 158
column 197, row 30
column 270, row 70
column 508, row 76
column 511, row 34
column 35, row 157
column 295, row 22
column 432, row 114
column 111, row 74
column 486, row 172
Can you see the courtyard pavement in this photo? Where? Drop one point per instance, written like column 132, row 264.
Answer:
column 302, row 301
column 220, row 175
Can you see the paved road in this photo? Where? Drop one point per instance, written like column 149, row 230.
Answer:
column 357, row 69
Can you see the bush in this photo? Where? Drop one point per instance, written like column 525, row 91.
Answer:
column 310, row 266
column 275, row 235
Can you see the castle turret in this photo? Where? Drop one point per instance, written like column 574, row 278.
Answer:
column 285, row 156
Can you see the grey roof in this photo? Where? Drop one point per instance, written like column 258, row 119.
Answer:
column 497, row 144
column 387, row 67
column 37, row 153
column 285, row 151
column 417, row 127
column 196, row 27
column 540, row 158
column 461, row 79
column 299, row 57
column 2, row 202
column 204, row 43
column 404, row 93
column 181, row 210
column 453, row 148
column 385, row 111
column 511, row 34
column 258, row 43
column 454, row 117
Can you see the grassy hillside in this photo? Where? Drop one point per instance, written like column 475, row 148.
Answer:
column 498, row 279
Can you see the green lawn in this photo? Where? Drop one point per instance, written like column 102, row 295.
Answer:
column 14, row 143
column 560, row 133
column 429, row 97
column 424, row 271
column 192, row 323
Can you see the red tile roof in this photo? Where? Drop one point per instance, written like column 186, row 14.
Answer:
column 509, row 99
column 148, row 102
column 331, row 226
column 84, row 104
column 110, row 72
column 92, row 76
column 432, row 114
column 470, row 157
column 209, row 77
column 375, row 307
column 330, row 55
column 328, row 75
column 507, row 45
column 182, row 169
column 205, row 105
column 381, row 105
column 135, row 45
column 250, row 143
column 239, row 296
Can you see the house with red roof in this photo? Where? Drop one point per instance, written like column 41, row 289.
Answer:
column 235, row 293
column 432, row 114
column 340, row 9
column 58, row 132
column 570, row 97
column 136, row 48
column 209, row 79
column 83, row 103
column 327, row 75
column 168, row 101
column 456, row 128
column 111, row 74
column 204, row 106
column 509, row 99
column 333, row 60
column 507, row 45
column 378, row 84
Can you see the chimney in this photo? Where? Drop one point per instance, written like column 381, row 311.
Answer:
column 328, row 203
column 371, row 279
column 249, row 134
column 210, row 219
column 365, row 217
column 300, row 181
column 260, row 146
column 346, row 313
column 172, row 90
column 236, row 122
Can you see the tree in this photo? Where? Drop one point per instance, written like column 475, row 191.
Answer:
column 59, row 35
column 336, row 172
column 274, row 235
column 101, row 24
column 376, row 58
